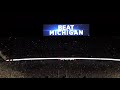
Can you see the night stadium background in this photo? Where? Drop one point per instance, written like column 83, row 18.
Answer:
column 21, row 36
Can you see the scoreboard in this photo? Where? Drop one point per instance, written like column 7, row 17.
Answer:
column 66, row 30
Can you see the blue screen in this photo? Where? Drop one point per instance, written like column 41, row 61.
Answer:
column 66, row 30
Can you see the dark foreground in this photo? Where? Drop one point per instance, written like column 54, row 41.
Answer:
column 60, row 69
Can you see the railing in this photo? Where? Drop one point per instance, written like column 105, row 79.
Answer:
column 27, row 59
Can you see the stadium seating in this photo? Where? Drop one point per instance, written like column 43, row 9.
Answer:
column 85, row 47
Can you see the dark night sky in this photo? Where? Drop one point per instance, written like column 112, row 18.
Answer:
column 30, row 23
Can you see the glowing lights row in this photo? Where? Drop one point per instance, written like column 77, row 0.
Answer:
column 27, row 59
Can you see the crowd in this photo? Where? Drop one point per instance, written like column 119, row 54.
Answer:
column 84, row 47
column 64, row 69
column 56, row 47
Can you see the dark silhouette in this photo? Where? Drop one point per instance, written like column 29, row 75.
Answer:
column 63, row 76
column 84, row 77
column 46, row 76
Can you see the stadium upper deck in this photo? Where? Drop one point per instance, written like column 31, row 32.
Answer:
column 55, row 47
